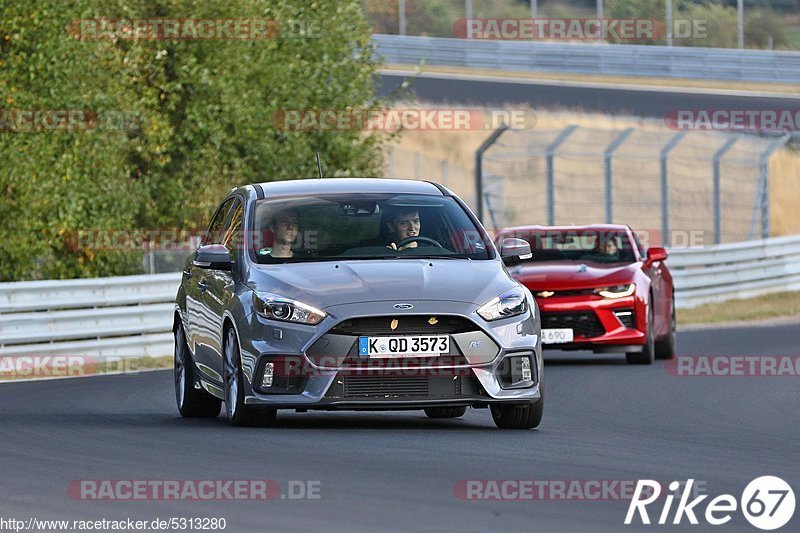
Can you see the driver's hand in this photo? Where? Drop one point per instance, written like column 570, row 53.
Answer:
column 393, row 246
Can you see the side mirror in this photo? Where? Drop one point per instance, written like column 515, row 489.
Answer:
column 656, row 254
column 513, row 251
column 213, row 257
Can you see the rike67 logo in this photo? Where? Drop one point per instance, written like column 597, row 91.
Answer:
column 767, row 503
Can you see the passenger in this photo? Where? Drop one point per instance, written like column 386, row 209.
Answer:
column 284, row 227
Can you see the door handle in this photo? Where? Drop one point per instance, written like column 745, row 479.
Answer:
column 202, row 286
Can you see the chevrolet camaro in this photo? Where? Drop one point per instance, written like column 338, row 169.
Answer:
column 599, row 289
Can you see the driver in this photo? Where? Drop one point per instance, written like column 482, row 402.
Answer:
column 609, row 246
column 404, row 225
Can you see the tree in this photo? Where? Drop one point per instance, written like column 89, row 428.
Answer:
column 203, row 121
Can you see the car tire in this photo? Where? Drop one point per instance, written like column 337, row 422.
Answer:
column 445, row 412
column 647, row 355
column 192, row 402
column 665, row 348
column 238, row 413
column 516, row 416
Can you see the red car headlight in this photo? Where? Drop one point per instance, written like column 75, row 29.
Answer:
column 617, row 291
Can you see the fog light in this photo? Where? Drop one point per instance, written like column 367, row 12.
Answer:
column 526, row 369
column 266, row 377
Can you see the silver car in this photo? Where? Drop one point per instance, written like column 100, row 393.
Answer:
column 360, row 294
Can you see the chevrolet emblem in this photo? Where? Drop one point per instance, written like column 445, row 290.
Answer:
column 545, row 294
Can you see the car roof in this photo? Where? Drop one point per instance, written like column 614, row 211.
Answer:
column 348, row 185
column 587, row 227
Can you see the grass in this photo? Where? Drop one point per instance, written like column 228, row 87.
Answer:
column 793, row 33
column 762, row 307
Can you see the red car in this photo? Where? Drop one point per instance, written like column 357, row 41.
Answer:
column 599, row 289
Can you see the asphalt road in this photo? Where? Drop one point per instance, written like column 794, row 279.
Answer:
column 653, row 103
column 603, row 420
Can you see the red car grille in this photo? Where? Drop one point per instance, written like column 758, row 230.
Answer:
column 582, row 323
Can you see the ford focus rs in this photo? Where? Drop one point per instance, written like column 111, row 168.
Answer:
column 361, row 294
column 599, row 289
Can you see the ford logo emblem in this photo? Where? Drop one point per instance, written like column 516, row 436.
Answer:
column 403, row 306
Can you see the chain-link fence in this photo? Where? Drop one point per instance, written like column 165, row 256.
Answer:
column 674, row 182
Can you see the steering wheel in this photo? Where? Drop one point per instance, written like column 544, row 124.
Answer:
column 419, row 238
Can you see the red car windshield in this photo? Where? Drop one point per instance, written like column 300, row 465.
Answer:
column 579, row 246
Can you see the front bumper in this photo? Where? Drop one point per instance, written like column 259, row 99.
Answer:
column 599, row 324
column 327, row 373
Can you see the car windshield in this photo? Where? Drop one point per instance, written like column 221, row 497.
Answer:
column 579, row 246
column 363, row 226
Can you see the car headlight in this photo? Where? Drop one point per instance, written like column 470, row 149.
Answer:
column 277, row 307
column 510, row 303
column 617, row 291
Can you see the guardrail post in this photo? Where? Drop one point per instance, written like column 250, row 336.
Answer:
column 609, row 153
column 673, row 142
column 551, row 182
column 717, row 189
column 479, row 168
column 762, row 200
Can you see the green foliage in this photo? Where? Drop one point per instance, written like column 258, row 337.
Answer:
column 204, row 121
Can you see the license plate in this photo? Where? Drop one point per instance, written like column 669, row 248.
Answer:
column 556, row 336
column 386, row 347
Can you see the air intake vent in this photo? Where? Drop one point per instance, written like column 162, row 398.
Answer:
column 383, row 386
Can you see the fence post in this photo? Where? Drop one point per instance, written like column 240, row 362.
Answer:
column 479, row 168
column 551, row 182
column 609, row 153
column 673, row 142
column 763, row 188
column 718, row 189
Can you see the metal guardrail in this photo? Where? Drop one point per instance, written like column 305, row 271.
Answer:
column 116, row 316
column 735, row 270
column 602, row 59
column 131, row 316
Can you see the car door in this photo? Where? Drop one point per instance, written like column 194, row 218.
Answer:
column 220, row 287
column 198, row 327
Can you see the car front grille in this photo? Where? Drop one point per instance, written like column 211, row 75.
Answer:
column 405, row 325
column 583, row 324
column 562, row 294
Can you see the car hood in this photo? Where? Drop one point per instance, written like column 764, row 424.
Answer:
column 574, row 275
column 326, row 284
